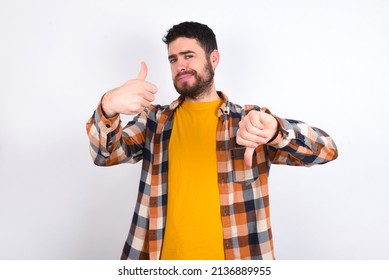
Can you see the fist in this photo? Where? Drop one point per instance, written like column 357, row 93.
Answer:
column 256, row 128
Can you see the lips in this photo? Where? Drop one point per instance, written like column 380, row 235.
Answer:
column 184, row 76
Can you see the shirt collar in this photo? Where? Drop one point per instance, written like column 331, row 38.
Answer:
column 224, row 109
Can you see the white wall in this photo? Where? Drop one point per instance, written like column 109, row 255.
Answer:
column 324, row 62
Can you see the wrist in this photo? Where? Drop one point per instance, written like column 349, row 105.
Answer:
column 276, row 133
column 105, row 105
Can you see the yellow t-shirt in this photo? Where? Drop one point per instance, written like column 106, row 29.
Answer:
column 193, row 224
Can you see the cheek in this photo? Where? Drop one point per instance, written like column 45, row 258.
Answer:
column 172, row 71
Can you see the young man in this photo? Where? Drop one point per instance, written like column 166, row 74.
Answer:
column 203, row 192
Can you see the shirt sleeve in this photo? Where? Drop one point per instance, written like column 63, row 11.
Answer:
column 299, row 144
column 110, row 143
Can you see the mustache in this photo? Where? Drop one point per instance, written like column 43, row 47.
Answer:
column 191, row 72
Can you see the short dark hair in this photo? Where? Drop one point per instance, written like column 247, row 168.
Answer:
column 194, row 30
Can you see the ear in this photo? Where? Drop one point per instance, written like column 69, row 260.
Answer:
column 215, row 58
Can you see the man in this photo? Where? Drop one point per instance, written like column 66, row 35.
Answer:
column 203, row 192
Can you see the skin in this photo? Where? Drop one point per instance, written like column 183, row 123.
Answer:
column 131, row 97
column 185, row 56
column 256, row 128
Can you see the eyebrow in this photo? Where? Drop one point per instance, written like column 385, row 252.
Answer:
column 181, row 53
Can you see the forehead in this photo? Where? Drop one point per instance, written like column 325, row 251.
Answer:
column 184, row 44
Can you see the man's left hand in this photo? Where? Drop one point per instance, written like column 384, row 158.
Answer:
column 256, row 128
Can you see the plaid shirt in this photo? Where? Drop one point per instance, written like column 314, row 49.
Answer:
column 244, row 199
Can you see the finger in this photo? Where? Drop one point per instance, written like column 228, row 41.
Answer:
column 248, row 156
column 150, row 97
column 150, row 87
column 256, row 119
column 246, row 126
column 142, row 72
column 144, row 103
column 251, row 133
column 250, row 139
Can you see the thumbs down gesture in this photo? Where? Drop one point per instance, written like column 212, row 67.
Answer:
column 256, row 128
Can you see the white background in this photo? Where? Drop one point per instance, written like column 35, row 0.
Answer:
column 323, row 62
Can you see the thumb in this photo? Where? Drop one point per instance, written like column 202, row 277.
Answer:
column 142, row 72
column 248, row 156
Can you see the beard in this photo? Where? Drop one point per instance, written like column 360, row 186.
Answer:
column 201, row 85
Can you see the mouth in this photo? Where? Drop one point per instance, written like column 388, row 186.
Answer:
column 184, row 76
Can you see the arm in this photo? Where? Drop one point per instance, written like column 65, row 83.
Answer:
column 109, row 142
column 290, row 142
column 299, row 144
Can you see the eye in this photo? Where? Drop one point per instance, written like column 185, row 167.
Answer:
column 172, row 60
column 188, row 56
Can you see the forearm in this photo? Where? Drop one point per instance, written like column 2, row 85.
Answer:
column 111, row 144
column 300, row 144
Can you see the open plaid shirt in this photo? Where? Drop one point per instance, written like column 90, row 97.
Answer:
column 244, row 199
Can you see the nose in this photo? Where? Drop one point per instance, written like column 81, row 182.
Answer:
column 180, row 65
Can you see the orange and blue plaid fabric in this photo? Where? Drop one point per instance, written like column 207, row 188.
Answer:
column 244, row 196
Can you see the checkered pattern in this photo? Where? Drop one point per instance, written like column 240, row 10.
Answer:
column 244, row 197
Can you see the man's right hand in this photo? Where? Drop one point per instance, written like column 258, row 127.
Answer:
column 130, row 98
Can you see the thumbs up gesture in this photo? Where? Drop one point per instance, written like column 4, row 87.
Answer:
column 256, row 128
column 130, row 98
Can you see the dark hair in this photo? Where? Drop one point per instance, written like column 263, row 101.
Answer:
column 194, row 30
